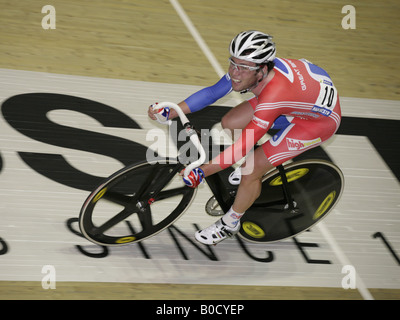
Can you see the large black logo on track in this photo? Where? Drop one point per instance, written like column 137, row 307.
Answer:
column 28, row 114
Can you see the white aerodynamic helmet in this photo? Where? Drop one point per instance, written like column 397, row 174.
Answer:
column 253, row 46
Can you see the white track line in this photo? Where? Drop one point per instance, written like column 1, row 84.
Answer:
column 201, row 43
column 217, row 67
column 361, row 287
column 197, row 37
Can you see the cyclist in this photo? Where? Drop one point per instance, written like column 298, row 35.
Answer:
column 294, row 96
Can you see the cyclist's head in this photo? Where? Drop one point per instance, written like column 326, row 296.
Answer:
column 253, row 46
column 258, row 49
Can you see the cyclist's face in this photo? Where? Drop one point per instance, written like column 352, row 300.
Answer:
column 241, row 76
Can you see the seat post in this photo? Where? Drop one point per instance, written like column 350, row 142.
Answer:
column 285, row 187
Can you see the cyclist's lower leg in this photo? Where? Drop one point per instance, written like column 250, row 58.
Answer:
column 249, row 190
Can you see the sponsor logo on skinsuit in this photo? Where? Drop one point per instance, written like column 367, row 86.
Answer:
column 261, row 123
column 294, row 144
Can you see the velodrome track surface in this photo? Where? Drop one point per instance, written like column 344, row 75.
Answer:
column 117, row 58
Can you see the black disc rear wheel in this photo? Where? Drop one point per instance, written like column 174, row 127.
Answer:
column 315, row 186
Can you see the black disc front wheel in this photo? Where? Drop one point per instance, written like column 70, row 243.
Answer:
column 135, row 203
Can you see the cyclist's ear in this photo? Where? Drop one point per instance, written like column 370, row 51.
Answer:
column 263, row 71
column 264, row 68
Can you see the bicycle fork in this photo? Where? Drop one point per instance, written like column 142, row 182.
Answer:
column 149, row 196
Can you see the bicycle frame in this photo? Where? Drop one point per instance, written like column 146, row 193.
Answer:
column 224, row 196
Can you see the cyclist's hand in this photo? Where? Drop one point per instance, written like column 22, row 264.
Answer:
column 195, row 177
column 160, row 115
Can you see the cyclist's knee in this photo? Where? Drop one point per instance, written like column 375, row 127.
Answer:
column 226, row 122
column 250, row 176
column 238, row 117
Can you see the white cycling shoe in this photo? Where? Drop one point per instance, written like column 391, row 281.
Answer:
column 216, row 233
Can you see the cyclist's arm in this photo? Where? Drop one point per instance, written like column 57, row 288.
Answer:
column 205, row 97
column 209, row 95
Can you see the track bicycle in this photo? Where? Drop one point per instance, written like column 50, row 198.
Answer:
column 142, row 199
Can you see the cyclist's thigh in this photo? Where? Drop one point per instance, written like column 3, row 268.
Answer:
column 298, row 136
column 256, row 165
column 238, row 117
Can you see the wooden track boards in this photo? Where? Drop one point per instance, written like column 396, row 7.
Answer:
column 140, row 40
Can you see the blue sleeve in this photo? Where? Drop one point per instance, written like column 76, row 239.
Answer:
column 209, row 95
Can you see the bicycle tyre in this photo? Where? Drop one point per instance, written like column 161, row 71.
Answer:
column 125, row 208
column 316, row 187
